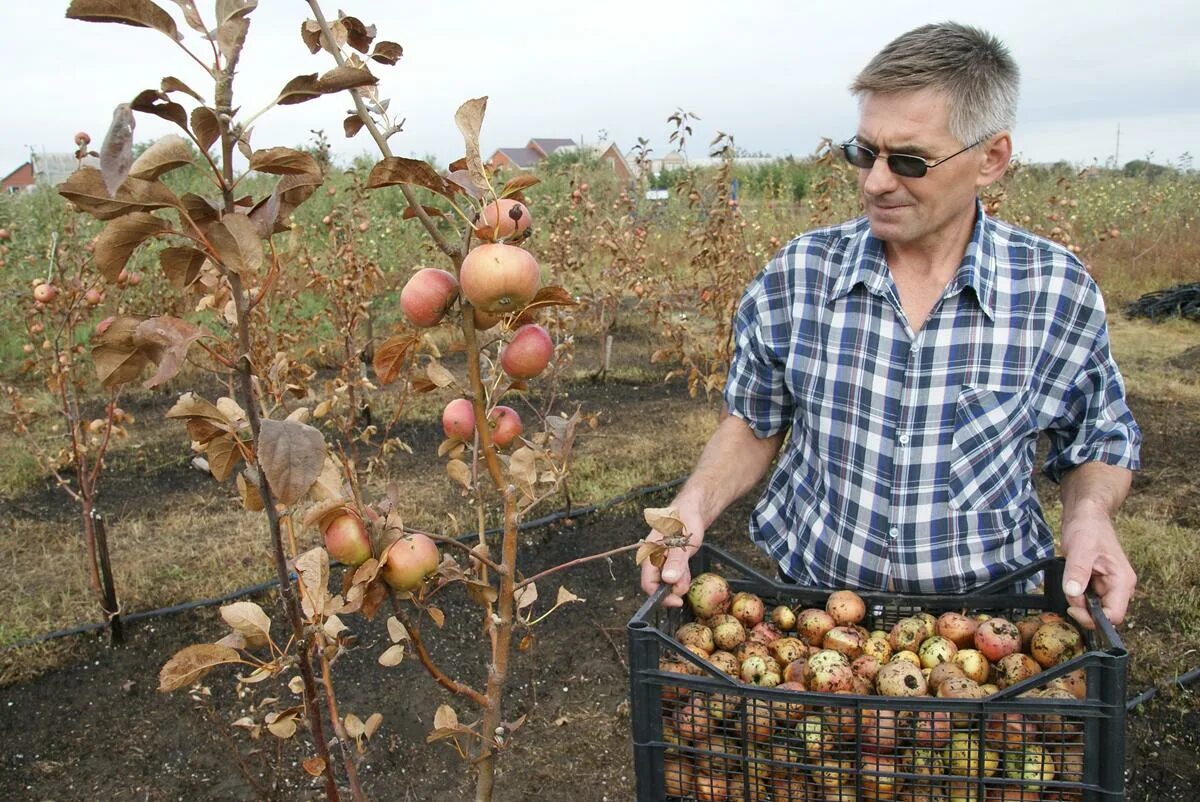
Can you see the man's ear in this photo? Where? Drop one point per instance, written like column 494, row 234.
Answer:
column 997, row 154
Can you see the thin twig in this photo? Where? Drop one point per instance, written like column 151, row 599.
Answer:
column 573, row 563
column 449, row 541
column 380, row 139
column 613, row 644
column 446, row 682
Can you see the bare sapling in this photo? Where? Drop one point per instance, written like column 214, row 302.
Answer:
column 68, row 437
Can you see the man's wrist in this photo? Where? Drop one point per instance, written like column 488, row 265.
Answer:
column 1088, row 509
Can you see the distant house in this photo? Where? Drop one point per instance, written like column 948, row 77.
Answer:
column 19, row 180
column 548, row 147
column 672, row 161
column 606, row 152
column 528, row 156
column 537, row 150
column 521, row 158
column 44, row 170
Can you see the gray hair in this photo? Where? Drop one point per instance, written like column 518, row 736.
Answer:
column 972, row 68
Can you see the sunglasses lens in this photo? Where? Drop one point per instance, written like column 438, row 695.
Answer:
column 858, row 156
column 907, row 166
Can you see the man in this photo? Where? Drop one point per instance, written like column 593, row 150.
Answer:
column 914, row 355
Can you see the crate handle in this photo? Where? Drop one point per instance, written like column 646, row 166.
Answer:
column 1005, row 584
column 1096, row 610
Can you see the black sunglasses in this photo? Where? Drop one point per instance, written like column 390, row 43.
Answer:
column 901, row 164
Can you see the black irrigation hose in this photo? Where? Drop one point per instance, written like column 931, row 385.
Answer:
column 1148, row 694
column 546, row 520
column 1182, row 300
column 1143, row 697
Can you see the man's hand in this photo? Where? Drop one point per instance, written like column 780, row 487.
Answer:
column 1091, row 494
column 1095, row 558
column 675, row 571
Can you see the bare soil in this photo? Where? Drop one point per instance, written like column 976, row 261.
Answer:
column 96, row 728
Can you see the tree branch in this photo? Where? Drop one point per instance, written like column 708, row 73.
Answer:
column 381, row 140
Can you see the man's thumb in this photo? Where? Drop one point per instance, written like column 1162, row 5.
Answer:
column 1077, row 574
column 674, row 566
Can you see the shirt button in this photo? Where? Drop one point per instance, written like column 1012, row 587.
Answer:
column 903, row 439
column 894, row 531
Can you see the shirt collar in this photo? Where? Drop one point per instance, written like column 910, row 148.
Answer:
column 866, row 264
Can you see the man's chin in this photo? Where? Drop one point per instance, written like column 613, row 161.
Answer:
column 886, row 230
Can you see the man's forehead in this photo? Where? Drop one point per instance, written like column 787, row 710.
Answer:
column 908, row 122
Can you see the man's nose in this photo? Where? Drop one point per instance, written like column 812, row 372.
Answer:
column 880, row 179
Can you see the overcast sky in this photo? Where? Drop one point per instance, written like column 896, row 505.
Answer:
column 771, row 72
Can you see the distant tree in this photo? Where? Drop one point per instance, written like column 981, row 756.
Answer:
column 1143, row 168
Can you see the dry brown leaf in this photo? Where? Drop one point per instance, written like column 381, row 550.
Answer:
column 237, row 244
column 333, row 626
column 387, row 52
column 284, row 161
column 223, row 456
column 330, row 483
column 445, row 718
column 313, row 569
column 399, row 170
column 438, row 374
column 653, row 551
column 392, row 655
column 458, row 471
column 391, row 357
column 566, row 597
column 396, row 630
column 191, row 405
column 469, row 119
column 518, row 183
column 121, row 237
column 525, row 596
column 354, row 726
column 522, row 466
column 283, row 727
column 665, row 520
column 182, row 266
column 191, row 663
column 248, row 620
column 168, row 153
column 205, row 126
column 166, row 340
column 292, row 456
column 251, row 498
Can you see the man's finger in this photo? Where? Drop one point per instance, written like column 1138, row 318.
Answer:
column 1081, row 617
column 1076, row 575
column 650, row 577
column 675, row 567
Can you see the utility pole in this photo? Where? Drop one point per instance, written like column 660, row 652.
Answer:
column 1117, row 152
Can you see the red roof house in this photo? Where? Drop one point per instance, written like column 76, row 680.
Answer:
column 527, row 157
column 20, row 179
column 521, row 158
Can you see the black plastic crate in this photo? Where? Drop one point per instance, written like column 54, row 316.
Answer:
column 706, row 736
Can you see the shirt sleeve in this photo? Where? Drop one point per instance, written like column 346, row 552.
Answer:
column 756, row 390
column 1093, row 423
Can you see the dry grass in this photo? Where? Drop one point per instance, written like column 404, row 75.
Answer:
column 1128, row 268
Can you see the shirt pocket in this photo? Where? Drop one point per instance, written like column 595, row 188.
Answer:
column 989, row 455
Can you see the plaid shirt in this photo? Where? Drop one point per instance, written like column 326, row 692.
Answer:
column 910, row 457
